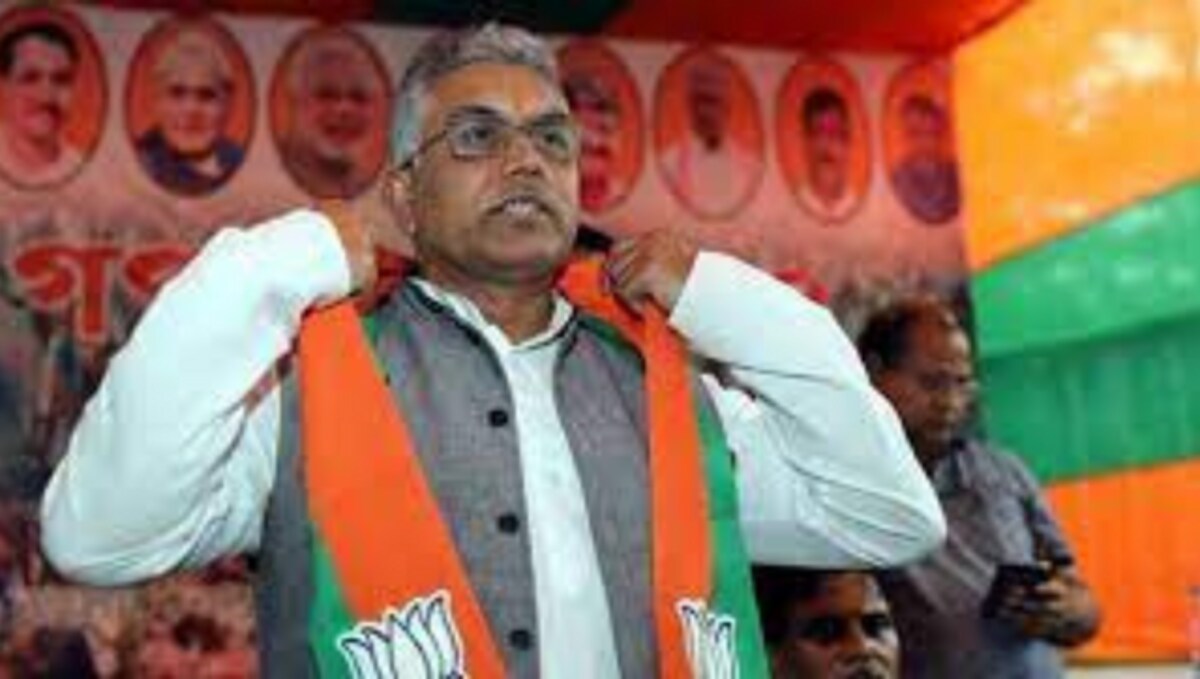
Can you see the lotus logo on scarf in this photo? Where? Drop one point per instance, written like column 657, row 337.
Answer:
column 419, row 641
column 709, row 638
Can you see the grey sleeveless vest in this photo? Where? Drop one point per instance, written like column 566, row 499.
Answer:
column 453, row 395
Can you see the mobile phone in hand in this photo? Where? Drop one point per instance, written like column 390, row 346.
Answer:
column 1011, row 577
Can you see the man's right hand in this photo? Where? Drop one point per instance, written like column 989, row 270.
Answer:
column 358, row 243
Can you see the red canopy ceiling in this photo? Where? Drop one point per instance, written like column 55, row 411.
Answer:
column 864, row 25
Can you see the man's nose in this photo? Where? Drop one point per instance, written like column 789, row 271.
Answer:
column 521, row 155
column 855, row 640
column 957, row 398
column 346, row 103
column 46, row 90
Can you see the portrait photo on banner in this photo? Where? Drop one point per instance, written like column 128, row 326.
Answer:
column 53, row 96
column 329, row 109
column 823, row 139
column 604, row 97
column 189, row 105
column 922, row 164
column 708, row 133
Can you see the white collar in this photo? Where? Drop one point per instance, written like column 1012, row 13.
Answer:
column 467, row 312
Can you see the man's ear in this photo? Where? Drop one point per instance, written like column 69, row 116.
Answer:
column 397, row 196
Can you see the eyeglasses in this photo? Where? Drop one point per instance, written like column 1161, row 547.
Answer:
column 943, row 382
column 475, row 133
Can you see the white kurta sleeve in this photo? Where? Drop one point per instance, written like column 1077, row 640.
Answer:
column 173, row 458
column 825, row 474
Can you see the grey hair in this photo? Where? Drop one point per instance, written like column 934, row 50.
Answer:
column 329, row 44
column 446, row 52
column 194, row 45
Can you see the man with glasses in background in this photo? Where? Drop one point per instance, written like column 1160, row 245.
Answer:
column 1002, row 595
column 502, row 470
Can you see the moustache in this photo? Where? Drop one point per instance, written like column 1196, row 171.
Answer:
column 538, row 194
column 52, row 109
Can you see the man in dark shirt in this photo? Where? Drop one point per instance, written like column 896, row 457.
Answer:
column 919, row 358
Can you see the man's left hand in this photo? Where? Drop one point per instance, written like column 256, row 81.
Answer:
column 651, row 267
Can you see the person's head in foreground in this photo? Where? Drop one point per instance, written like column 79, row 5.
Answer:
column 826, row 624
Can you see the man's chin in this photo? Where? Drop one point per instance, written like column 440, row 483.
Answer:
column 337, row 147
column 528, row 265
column 192, row 151
column 863, row 671
column 44, row 133
column 534, row 231
column 932, row 447
column 339, row 160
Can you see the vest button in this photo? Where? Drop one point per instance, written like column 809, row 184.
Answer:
column 508, row 523
column 521, row 639
column 497, row 417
